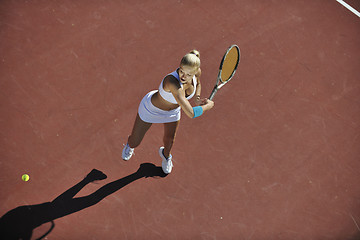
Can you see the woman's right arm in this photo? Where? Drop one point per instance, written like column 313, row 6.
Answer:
column 179, row 95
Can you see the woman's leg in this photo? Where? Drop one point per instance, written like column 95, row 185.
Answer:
column 138, row 132
column 169, row 136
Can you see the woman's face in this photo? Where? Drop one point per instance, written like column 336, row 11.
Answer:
column 186, row 73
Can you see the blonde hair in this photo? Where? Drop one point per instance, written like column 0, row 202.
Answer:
column 191, row 59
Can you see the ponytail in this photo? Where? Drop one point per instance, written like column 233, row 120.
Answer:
column 196, row 52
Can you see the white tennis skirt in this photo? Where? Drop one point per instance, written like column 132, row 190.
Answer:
column 151, row 114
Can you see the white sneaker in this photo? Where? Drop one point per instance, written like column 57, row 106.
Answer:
column 167, row 164
column 127, row 152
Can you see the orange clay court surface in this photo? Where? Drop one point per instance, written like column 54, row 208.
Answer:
column 277, row 158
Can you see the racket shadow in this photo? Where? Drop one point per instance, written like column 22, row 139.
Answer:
column 20, row 222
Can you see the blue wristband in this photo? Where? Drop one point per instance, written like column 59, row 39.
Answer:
column 198, row 110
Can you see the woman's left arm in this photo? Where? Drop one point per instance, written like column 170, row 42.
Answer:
column 198, row 88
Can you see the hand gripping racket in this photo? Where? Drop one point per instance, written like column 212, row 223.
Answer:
column 227, row 69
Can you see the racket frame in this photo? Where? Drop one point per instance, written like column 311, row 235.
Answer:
column 219, row 83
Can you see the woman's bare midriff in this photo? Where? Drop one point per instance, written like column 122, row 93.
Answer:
column 161, row 103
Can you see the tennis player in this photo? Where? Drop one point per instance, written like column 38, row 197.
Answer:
column 164, row 106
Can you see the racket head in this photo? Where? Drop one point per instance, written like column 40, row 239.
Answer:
column 229, row 63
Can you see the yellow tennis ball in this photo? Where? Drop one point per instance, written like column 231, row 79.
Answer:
column 25, row 177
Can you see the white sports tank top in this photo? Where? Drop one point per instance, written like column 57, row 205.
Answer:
column 168, row 96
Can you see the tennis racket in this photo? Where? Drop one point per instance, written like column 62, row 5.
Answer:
column 227, row 69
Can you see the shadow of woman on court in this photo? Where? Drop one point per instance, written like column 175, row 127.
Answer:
column 20, row 222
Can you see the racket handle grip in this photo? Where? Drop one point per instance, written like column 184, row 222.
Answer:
column 213, row 93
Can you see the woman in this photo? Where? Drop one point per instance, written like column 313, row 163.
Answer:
column 164, row 106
